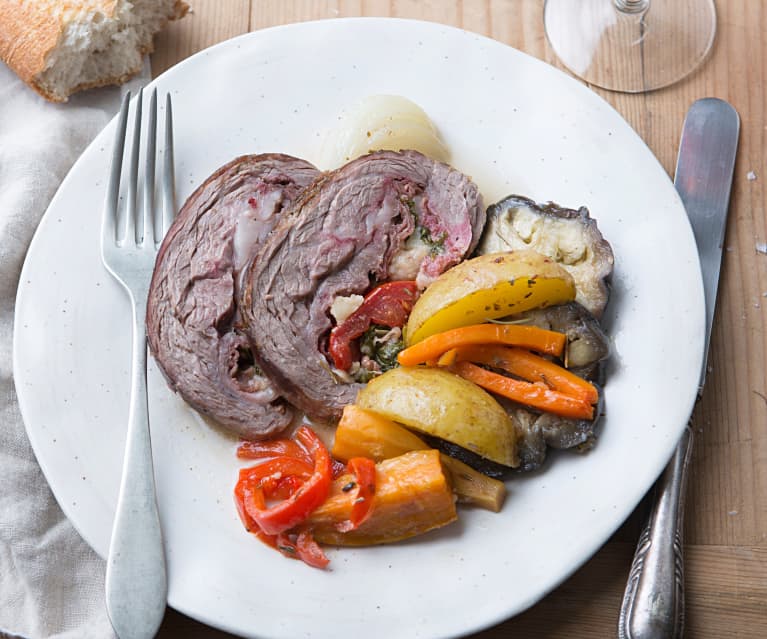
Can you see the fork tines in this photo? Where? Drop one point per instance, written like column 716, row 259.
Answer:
column 147, row 226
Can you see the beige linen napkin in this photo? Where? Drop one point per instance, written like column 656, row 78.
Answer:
column 51, row 582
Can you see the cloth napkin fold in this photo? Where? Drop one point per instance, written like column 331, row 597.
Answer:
column 51, row 582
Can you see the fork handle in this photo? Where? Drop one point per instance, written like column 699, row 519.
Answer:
column 653, row 602
column 136, row 579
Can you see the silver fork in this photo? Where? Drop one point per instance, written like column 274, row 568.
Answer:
column 136, row 579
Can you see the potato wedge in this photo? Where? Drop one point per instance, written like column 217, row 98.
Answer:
column 488, row 287
column 438, row 403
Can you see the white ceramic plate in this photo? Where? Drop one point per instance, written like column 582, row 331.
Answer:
column 517, row 126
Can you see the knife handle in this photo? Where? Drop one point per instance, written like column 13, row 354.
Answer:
column 653, row 602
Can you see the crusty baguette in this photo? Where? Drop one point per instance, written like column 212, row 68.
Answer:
column 59, row 47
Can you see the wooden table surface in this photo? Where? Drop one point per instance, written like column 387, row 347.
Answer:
column 726, row 514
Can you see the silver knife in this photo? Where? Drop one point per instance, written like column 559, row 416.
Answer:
column 653, row 602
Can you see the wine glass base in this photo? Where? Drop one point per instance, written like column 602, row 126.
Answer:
column 630, row 52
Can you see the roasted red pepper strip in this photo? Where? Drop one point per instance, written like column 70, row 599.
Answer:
column 309, row 551
column 364, row 471
column 239, row 500
column 298, row 472
column 290, row 512
column 267, row 475
column 388, row 305
column 283, row 465
column 273, row 448
column 278, row 477
column 297, row 546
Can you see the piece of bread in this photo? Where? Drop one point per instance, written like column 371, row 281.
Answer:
column 59, row 47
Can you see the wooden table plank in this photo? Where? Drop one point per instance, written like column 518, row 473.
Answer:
column 206, row 24
column 732, row 605
column 726, row 530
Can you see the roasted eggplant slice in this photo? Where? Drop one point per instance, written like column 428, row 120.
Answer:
column 567, row 236
column 587, row 343
column 536, row 432
column 587, row 348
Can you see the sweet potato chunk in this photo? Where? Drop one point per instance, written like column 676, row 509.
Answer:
column 412, row 497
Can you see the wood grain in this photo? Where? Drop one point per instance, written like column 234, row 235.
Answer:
column 726, row 526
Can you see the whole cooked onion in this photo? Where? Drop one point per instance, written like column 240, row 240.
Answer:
column 381, row 122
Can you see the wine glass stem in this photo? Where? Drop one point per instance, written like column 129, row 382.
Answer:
column 632, row 6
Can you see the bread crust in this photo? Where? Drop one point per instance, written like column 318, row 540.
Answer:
column 27, row 36
column 31, row 31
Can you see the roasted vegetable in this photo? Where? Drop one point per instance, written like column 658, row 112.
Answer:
column 537, row 396
column 386, row 305
column 412, row 497
column 438, row 403
column 568, row 237
column 587, row 344
column 529, row 366
column 365, row 479
column 532, row 337
column 538, row 432
column 587, row 348
column 549, row 387
column 364, row 433
column 472, row 460
column 488, row 287
column 381, row 122
column 266, row 481
column 297, row 476
column 473, row 487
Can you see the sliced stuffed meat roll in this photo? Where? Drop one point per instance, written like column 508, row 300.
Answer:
column 382, row 217
column 193, row 325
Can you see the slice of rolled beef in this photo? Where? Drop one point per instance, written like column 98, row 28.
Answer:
column 192, row 319
column 339, row 239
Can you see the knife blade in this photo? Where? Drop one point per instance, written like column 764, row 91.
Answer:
column 653, row 602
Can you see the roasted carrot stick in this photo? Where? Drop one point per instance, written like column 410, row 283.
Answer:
column 535, row 395
column 527, row 365
column 532, row 337
column 448, row 358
